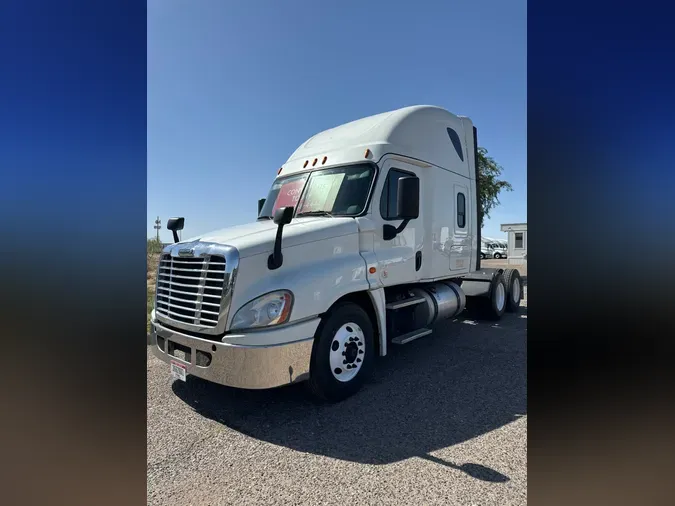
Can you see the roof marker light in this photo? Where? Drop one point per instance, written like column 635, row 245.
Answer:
column 306, row 162
column 279, row 171
column 367, row 153
column 314, row 162
column 324, row 160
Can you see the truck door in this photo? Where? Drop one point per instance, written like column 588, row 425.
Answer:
column 399, row 259
column 460, row 252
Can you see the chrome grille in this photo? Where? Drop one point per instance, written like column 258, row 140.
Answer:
column 190, row 290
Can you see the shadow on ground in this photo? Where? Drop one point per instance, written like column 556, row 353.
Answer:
column 466, row 379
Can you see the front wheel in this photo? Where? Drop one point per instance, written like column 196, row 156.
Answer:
column 497, row 256
column 343, row 353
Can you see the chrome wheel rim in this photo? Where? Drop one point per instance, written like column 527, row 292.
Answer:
column 347, row 350
column 500, row 296
column 516, row 290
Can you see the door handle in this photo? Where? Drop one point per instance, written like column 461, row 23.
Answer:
column 418, row 260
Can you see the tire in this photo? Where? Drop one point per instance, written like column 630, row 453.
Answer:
column 514, row 290
column 495, row 305
column 346, row 328
column 482, row 256
column 497, row 256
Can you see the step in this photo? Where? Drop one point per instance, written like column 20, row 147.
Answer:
column 406, row 302
column 411, row 336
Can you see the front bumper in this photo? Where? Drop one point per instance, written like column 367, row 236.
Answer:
column 242, row 366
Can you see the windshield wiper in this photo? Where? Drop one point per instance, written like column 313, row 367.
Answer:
column 314, row 213
column 264, row 217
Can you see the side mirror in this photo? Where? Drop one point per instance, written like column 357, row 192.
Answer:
column 175, row 224
column 283, row 215
column 261, row 204
column 407, row 206
column 408, row 198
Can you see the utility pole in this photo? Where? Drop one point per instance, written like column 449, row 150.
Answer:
column 158, row 225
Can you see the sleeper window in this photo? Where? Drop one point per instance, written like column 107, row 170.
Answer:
column 461, row 210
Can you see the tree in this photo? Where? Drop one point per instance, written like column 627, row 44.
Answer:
column 489, row 184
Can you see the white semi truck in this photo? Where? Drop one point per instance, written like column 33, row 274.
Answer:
column 493, row 248
column 369, row 236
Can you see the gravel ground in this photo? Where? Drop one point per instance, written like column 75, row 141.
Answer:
column 443, row 421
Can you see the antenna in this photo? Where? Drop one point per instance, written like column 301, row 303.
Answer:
column 158, row 225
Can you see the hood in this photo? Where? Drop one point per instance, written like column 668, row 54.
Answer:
column 258, row 237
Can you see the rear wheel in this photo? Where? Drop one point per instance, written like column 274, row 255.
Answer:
column 343, row 353
column 514, row 290
column 482, row 256
column 498, row 256
column 495, row 305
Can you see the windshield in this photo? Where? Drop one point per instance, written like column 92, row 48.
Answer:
column 339, row 191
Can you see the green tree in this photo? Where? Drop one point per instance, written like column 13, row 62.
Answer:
column 490, row 186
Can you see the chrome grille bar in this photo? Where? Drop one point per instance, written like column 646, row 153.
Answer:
column 181, row 297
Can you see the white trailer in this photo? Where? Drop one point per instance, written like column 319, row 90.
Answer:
column 368, row 236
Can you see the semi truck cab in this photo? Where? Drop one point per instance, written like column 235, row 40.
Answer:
column 368, row 236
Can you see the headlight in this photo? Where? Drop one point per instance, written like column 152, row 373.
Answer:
column 270, row 309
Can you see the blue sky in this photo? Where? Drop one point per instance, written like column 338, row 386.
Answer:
column 235, row 87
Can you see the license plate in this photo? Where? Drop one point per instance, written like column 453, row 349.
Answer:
column 178, row 370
